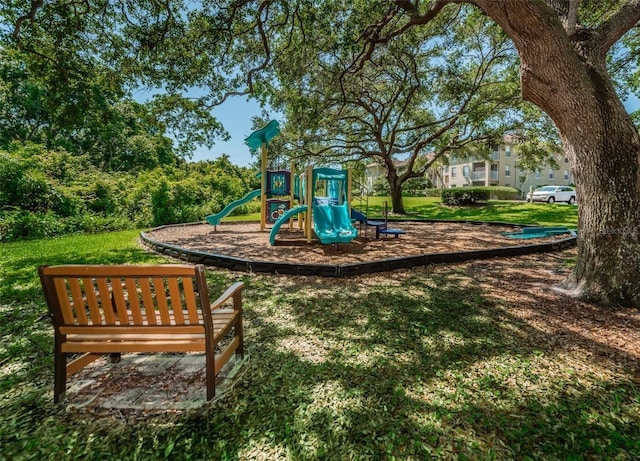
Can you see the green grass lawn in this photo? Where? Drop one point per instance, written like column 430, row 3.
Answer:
column 542, row 214
column 423, row 364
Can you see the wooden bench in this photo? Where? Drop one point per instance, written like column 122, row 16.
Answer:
column 111, row 309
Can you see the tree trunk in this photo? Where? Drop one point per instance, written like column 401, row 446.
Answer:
column 606, row 158
column 603, row 146
column 395, row 191
column 569, row 81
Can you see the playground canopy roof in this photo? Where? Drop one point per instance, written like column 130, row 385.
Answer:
column 263, row 135
column 329, row 174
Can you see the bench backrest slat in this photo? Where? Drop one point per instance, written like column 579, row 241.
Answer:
column 147, row 301
column 126, row 295
column 92, row 300
column 134, row 300
column 117, row 296
column 176, row 304
column 104, row 295
column 65, row 305
column 161, row 299
column 190, row 301
column 77, row 301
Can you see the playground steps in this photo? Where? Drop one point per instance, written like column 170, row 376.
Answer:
column 381, row 226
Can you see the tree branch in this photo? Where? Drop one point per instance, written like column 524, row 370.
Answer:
column 572, row 17
column 611, row 30
column 30, row 16
column 373, row 35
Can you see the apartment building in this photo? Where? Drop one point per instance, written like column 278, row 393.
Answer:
column 374, row 170
column 501, row 169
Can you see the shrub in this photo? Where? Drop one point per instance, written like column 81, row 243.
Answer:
column 22, row 224
column 464, row 196
column 381, row 186
column 503, row 193
column 247, row 208
column 416, row 186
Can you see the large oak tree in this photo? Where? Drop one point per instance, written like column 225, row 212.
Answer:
column 447, row 88
column 563, row 47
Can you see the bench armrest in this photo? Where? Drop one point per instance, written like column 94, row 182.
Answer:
column 234, row 291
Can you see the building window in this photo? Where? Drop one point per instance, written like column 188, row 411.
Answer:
column 507, row 170
column 550, row 173
column 465, row 171
column 537, row 175
column 453, row 172
column 507, row 151
column 566, row 175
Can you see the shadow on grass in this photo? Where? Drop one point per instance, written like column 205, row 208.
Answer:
column 415, row 366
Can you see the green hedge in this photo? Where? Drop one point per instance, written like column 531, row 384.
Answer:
column 433, row 193
column 470, row 195
column 465, row 195
column 503, row 193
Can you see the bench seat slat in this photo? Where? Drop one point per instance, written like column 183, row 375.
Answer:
column 106, row 347
column 220, row 325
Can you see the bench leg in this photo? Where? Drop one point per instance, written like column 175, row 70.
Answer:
column 211, row 371
column 60, row 374
column 240, row 335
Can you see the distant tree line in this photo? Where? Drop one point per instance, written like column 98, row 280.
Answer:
column 48, row 192
column 79, row 154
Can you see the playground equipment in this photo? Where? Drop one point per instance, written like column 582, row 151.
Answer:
column 214, row 219
column 330, row 212
column 381, row 227
column 279, row 189
column 540, row 232
column 325, row 195
column 283, row 219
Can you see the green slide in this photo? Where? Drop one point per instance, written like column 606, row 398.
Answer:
column 282, row 219
column 214, row 219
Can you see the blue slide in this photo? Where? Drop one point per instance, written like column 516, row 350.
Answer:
column 332, row 224
column 282, row 219
column 214, row 219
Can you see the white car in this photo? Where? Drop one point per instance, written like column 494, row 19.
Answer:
column 552, row 194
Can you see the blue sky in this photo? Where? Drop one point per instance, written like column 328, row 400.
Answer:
column 235, row 114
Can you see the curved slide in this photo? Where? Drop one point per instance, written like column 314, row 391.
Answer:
column 332, row 224
column 214, row 219
column 282, row 219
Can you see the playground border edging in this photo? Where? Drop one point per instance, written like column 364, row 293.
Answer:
column 349, row 270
